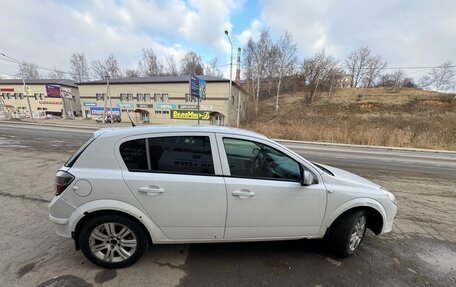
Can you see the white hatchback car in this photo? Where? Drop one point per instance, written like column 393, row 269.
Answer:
column 126, row 189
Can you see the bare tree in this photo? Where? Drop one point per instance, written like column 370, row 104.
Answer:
column 317, row 72
column 248, row 68
column 356, row 64
column 56, row 74
column 425, row 82
column 213, row 70
column 79, row 67
column 443, row 77
column 260, row 50
column 28, row 71
column 192, row 64
column 131, row 73
column 397, row 78
column 109, row 68
column 171, row 68
column 285, row 61
column 149, row 64
column 374, row 65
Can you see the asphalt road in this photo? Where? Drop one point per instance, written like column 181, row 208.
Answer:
column 348, row 157
column 420, row 251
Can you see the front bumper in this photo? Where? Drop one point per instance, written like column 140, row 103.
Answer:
column 391, row 212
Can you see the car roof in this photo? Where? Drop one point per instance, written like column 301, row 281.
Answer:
column 131, row 131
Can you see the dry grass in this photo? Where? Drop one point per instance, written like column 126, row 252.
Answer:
column 410, row 118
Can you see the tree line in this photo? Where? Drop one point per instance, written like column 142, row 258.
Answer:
column 269, row 69
column 148, row 65
column 272, row 67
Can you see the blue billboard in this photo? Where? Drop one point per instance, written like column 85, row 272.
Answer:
column 53, row 91
column 197, row 87
column 194, row 86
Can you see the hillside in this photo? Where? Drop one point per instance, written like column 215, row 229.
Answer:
column 409, row 118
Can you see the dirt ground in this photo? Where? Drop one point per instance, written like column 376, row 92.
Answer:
column 420, row 251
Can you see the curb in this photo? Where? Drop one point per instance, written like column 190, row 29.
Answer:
column 386, row 148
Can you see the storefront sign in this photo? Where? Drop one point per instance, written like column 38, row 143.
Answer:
column 206, row 107
column 150, row 106
column 189, row 115
column 166, row 106
column 188, row 107
column 7, row 90
column 98, row 111
column 90, row 104
column 125, row 106
column 50, row 102
column 53, row 91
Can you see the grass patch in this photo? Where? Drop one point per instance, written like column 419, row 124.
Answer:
column 411, row 118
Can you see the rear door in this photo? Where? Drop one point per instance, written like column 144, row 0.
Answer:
column 177, row 179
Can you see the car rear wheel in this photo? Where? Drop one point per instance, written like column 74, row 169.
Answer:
column 347, row 233
column 112, row 241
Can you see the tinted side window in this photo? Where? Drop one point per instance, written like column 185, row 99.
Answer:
column 134, row 155
column 181, row 154
column 256, row 160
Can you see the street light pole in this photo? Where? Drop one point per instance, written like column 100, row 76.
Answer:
column 28, row 99
column 231, row 76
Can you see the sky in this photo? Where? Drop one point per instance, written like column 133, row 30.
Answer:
column 46, row 32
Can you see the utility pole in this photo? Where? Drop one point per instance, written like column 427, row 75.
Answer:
column 109, row 96
column 238, row 109
column 231, row 75
column 28, row 99
column 105, row 100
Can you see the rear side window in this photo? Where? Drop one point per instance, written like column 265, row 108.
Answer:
column 177, row 154
column 134, row 154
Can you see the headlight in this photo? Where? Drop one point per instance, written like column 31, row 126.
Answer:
column 390, row 195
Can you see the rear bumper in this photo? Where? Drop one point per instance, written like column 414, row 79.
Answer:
column 61, row 226
column 59, row 213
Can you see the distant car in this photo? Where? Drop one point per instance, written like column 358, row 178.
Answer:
column 109, row 119
column 126, row 189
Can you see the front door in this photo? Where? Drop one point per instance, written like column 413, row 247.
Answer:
column 265, row 197
column 175, row 180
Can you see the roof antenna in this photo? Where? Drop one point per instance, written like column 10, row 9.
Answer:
column 128, row 114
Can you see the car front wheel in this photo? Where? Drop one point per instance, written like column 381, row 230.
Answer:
column 348, row 233
column 112, row 241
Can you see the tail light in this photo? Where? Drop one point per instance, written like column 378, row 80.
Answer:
column 62, row 181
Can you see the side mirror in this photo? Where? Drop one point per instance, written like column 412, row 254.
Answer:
column 306, row 177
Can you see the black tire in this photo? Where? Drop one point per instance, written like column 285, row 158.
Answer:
column 342, row 231
column 136, row 232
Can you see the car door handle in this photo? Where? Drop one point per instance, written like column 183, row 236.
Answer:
column 151, row 190
column 243, row 193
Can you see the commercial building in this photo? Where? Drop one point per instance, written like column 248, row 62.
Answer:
column 163, row 100
column 47, row 97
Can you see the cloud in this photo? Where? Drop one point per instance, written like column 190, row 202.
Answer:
column 48, row 32
column 252, row 32
column 406, row 33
